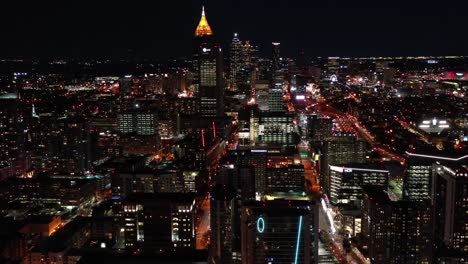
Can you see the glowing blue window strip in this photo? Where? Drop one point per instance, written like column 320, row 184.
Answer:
column 298, row 240
column 260, row 225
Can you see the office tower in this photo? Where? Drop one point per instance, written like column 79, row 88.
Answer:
column 275, row 99
column 167, row 128
column 380, row 66
column 168, row 181
column 286, row 179
column 138, row 122
column 103, row 139
column 261, row 90
column 224, row 245
column 275, row 91
column 158, row 223
column 191, row 179
column 125, row 84
column 254, row 125
column 249, row 54
column 276, row 128
column 319, row 128
column 333, row 68
column 417, row 180
column 299, row 85
column 280, row 231
column 275, row 59
column 60, row 145
column 341, row 148
column 450, row 203
column 347, row 181
column 395, row 232
column 175, row 82
column 210, row 70
column 235, row 184
column 240, row 177
column 389, row 75
column 248, row 74
column 248, row 124
column 124, row 172
column 235, row 61
column 11, row 139
column 257, row 158
column 246, row 182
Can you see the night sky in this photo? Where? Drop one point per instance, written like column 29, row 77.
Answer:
column 164, row 29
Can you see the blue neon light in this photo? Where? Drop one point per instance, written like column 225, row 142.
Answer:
column 298, row 239
column 260, row 225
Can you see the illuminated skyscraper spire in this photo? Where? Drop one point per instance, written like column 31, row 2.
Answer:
column 203, row 28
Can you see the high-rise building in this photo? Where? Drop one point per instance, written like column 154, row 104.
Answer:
column 235, row 184
column 257, row 158
column 319, row 128
column 235, row 61
column 11, row 139
column 276, row 128
column 299, row 84
column 275, row 91
column 275, row 59
column 142, row 123
column 60, row 145
column 224, row 244
column 347, row 181
column 249, row 54
column 450, row 203
column 280, row 231
column 417, row 180
column 341, row 148
column 209, row 59
column 158, row 223
column 395, row 231
column 248, row 75
column 275, row 99
column 333, row 68
column 286, row 179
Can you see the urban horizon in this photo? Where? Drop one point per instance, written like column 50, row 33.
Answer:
column 245, row 151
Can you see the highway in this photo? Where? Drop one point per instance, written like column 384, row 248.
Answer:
column 349, row 122
column 202, row 223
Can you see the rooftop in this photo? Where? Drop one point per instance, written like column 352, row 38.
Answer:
column 203, row 28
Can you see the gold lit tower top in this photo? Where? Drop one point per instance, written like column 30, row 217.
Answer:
column 203, row 28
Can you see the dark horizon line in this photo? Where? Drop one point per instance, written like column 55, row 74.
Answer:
column 167, row 59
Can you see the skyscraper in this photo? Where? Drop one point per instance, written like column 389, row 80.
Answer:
column 286, row 179
column 450, row 200
column 418, row 180
column 10, row 134
column 319, row 128
column 235, row 61
column 275, row 58
column 395, row 232
column 280, row 231
column 158, row 222
column 275, row 99
column 209, row 59
column 142, row 122
column 340, row 149
column 222, row 214
column 275, row 91
column 59, row 144
column 347, row 181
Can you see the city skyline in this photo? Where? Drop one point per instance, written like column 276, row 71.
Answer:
column 235, row 146
column 160, row 30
